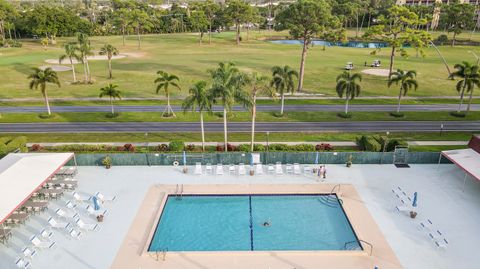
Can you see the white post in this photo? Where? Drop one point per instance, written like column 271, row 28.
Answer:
column 464, row 182
column 439, row 160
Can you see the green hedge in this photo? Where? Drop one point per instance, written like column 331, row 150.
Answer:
column 176, row 145
column 19, row 142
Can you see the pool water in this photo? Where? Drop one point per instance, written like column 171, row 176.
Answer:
column 237, row 223
column 349, row 44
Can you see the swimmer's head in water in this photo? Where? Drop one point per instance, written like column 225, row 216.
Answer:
column 266, row 224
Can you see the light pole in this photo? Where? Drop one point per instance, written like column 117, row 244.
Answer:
column 476, row 56
column 384, row 147
column 441, row 129
column 146, row 141
column 266, row 157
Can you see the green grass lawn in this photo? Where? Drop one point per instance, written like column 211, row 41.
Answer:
column 233, row 117
column 181, row 54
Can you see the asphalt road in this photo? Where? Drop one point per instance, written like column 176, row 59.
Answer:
column 161, row 108
column 370, row 126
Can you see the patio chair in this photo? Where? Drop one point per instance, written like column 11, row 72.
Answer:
column 28, row 252
column 278, row 168
column 241, row 169
column 198, row 169
column 39, row 244
column 80, row 198
column 92, row 212
column 46, row 234
column 259, row 169
column 436, row 235
column 70, row 205
column 270, row 169
column 307, row 169
column 57, row 225
column 21, row 263
column 64, row 214
column 404, row 207
column 231, row 169
column 443, row 244
column 427, row 225
column 86, row 226
column 296, row 169
column 289, row 168
column 105, row 198
column 219, row 169
column 208, row 168
column 75, row 234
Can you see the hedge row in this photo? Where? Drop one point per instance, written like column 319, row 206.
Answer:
column 8, row 144
column 377, row 143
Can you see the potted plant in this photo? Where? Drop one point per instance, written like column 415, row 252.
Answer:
column 413, row 214
column 100, row 218
column 349, row 160
column 107, row 162
column 252, row 172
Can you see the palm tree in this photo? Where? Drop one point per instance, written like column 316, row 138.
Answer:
column 349, row 86
column 85, row 50
column 112, row 92
column 469, row 78
column 110, row 51
column 198, row 100
column 407, row 81
column 258, row 85
column 40, row 78
column 227, row 88
column 71, row 52
column 283, row 81
column 164, row 82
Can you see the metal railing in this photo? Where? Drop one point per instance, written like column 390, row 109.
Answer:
column 359, row 241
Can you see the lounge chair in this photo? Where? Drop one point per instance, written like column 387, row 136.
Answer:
column 241, row 169
column 105, row 198
column 28, row 252
column 80, row 198
column 259, row 169
column 289, row 168
column 198, row 169
column 70, row 205
column 75, row 234
column 57, row 225
column 66, row 214
column 231, row 169
column 404, row 207
column 208, row 168
column 92, row 212
column 46, row 234
column 427, row 225
column 86, row 226
column 278, row 168
column 436, row 235
column 296, row 169
column 219, row 169
column 39, row 244
column 442, row 243
column 307, row 169
column 270, row 169
column 21, row 263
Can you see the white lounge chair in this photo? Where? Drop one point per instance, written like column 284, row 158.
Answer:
column 296, row 169
column 231, row 169
column 307, row 169
column 208, row 168
column 37, row 243
column 442, row 243
column 436, row 235
column 21, row 263
column 28, row 252
column 86, row 226
column 66, row 214
column 80, row 198
column 404, row 207
column 57, row 225
column 219, row 169
column 259, row 169
column 427, row 225
column 46, row 234
column 278, row 168
column 270, row 169
column 105, row 198
column 92, row 212
column 198, row 169
column 75, row 234
column 289, row 168
column 241, row 169
column 70, row 205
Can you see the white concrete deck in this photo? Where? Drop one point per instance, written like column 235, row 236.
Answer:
column 441, row 199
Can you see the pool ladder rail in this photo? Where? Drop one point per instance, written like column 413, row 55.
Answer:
column 179, row 192
column 355, row 247
column 163, row 252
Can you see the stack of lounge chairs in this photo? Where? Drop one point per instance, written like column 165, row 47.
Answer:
column 241, row 169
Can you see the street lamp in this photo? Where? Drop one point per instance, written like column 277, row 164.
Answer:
column 146, row 141
column 266, row 157
column 476, row 56
column 384, row 146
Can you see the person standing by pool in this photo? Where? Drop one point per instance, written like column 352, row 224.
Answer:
column 324, row 171
column 321, row 172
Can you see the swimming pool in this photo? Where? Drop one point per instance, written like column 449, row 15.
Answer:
column 238, row 223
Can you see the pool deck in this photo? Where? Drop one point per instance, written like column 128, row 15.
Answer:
column 442, row 198
column 143, row 228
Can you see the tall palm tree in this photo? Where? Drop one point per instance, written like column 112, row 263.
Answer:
column 349, row 86
column 85, row 50
column 110, row 51
column 407, row 81
column 469, row 79
column 112, row 92
column 198, row 100
column 227, row 88
column 164, row 81
column 71, row 52
column 40, row 78
column 258, row 85
column 283, row 81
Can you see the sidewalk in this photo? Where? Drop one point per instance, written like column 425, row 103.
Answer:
column 333, row 143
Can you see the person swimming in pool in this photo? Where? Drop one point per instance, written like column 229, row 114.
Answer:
column 267, row 223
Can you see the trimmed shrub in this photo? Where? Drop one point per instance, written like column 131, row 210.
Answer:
column 5, row 140
column 302, row 147
column 3, row 149
column 278, row 147
column 190, row 147
column 396, row 142
column 129, row 147
column 36, row 147
column 442, row 39
column 176, row 145
column 371, row 144
column 231, row 147
column 219, row 148
column 258, row 147
column 324, row 147
column 244, row 147
column 19, row 142
column 162, row 147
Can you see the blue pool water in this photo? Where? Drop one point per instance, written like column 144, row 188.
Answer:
column 235, row 223
column 350, row 44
